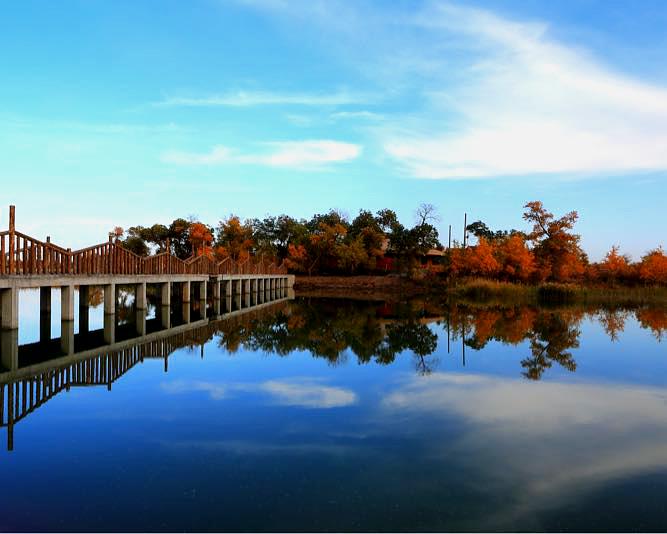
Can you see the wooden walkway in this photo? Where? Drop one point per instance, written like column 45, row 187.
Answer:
column 22, row 255
column 26, row 262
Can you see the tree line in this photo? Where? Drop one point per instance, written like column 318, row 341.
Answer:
column 372, row 243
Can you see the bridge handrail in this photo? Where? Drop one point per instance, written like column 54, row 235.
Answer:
column 21, row 254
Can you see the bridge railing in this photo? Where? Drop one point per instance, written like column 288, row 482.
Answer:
column 164, row 263
column 21, row 254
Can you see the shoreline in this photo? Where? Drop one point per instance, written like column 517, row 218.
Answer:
column 393, row 287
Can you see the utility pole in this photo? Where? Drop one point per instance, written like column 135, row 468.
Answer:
column 465, row 230
column 449, row 245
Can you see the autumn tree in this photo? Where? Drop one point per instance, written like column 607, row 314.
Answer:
column 516, row 260
column 351, row 254
column 653, row 267
column 117, row 233
column 272, row 236
column 614, row 267
column 480, row 259
column 297, row 258
column 555, row 246
column 234, row 239
column 201, row 238
column 323, row 245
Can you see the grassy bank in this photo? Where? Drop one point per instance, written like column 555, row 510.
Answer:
column 550, row 293
column 480, row 290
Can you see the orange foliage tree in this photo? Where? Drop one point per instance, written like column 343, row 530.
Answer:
column 556, row 248
column 200, row 238
column 234, row 239
column 480, row 260
column 615, row 267
column 297, row 258
column 517, row 262
column 653, row 267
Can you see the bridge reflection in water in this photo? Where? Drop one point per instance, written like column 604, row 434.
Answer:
column 34, row 373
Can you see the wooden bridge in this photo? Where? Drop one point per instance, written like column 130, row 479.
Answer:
column 26, row 262
column 29, row 385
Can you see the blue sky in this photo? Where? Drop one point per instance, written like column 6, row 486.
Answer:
column 129, row 113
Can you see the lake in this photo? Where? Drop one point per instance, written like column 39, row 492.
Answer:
column 312, row 414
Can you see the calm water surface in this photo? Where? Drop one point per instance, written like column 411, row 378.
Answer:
column 327, row 414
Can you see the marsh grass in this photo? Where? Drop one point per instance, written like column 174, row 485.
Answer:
column 491, row 291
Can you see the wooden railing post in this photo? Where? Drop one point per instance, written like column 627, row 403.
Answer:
column 109, row 260
column 12, row 231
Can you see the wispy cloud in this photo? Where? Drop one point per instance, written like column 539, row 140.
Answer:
column 265, row 98
column 304, row 393
column 215, row 391
column 218, row 154
column 367, row 115
column 488, row 96
column 309, row 394
column 530, row 104
column 308, row 155
column 617, row 431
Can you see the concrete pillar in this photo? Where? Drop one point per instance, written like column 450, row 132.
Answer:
column 109, row 299
column 140, row 296
column 227, row 285
column 165, row 294
column 140, row 321
column 109, row 326
column 165, row 316
column 44, row 313
column 9, row 308
column 239, row 286
column 67, row 337
column 237, row 301
column 247, row 294
column 67, row 303
column 261, row 285
column 216, row 297
column 185, row 306
column 228, row 303
column 9, row 349
column 44, row 326
column 45, row 299
column 203, row 289
column 84, row 310
column 186, row 291
column 10, row 416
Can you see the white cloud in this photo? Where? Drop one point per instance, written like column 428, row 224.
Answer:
column 215, row 391
column 580, row 436
column 219, row 154
column 309, row 395
column 488, row 96
column 528, row 104
column 265, row 98
column 294, row 392
column 308, row 154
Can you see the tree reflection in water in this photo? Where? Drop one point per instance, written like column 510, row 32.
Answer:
column 334, row 329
